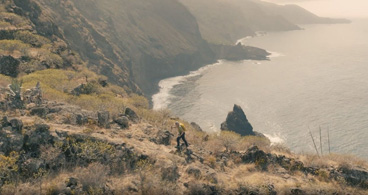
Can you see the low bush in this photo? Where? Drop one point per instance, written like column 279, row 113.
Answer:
column 13, row 19
column 8, row 166
column 30, row 38
column 14, row 45
column 93, row 178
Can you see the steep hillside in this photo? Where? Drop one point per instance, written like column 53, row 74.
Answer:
column 23, row 50
column 52, row 147
column 130, row 42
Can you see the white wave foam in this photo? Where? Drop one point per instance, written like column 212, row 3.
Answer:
column 162, row 99
column 275, row 139
column 243, row 40
column 274, row 54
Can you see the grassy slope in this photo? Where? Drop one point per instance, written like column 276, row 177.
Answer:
column 139, row 41
column 154, row 176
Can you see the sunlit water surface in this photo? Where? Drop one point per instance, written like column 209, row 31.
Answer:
column 317, row 77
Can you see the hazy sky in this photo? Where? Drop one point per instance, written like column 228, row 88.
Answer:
column 332, row 8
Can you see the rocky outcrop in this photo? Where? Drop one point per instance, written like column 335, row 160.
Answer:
column 164, row 138
column 237, row 121
column 352, row 176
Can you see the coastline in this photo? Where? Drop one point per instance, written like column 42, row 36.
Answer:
column 161, row 99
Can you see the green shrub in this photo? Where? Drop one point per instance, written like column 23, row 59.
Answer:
column 8, row 165
column 4, row 24
column 14, row 45
column 229, row 140
column 94, row 151
column 13, row 19
column 30, row 38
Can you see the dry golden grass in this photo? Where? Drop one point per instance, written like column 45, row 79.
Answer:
column 333, row 160
column 55, row 84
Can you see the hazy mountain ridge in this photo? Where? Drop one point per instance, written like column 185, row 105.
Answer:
column 298, row 15
column 227, row 21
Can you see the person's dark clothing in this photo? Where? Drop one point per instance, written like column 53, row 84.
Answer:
column 182, row 136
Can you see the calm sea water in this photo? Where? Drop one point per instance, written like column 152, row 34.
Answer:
column 317, row 78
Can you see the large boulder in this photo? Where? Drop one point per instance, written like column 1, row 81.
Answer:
column 103, row 118
column 237, row 121
column 123, row 122
column 131, row 115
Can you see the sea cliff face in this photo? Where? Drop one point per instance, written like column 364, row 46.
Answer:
column 133, row 43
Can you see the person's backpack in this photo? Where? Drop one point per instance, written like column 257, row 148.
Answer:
column 182, row 127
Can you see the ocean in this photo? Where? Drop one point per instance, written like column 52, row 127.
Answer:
column 317, row 78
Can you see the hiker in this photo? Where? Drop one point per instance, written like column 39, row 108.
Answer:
column 181, row 130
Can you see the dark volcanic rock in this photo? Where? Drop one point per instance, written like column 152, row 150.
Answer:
column 40, row 111
column 103, row 118
column 5, row 122
column 72, row 183
column 16, row 124
column 10, row 140
column 123, row 122
column 353, row 177
column 131, row 115
column 255, row 155
column 237, row 121
column 196, row 126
